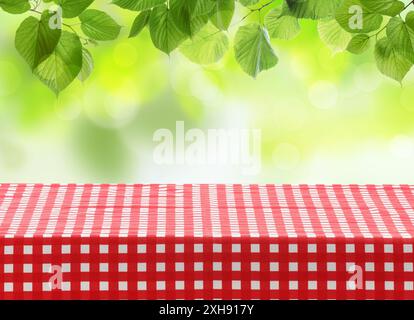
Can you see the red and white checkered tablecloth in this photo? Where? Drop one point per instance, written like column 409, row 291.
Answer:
column 206, row 241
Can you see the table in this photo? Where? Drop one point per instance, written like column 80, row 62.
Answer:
column 164, row 241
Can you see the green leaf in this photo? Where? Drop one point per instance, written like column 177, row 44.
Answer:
column 222, row 14
column 311, row 9
column 35, row 40
column 138, row 5
column 395, row 9
column 281, row 27
column 184, row 14
column 15, row 6
column 139, row 23
column 204, row 7
column 248, row 3
column 359, row 43
column 63, row 65
column 356, row 18
column 378, row 5
column 165, row 34
column 73, row 8
column 207, row 47
column 253, row 50
column 98, row 25
column 87, row 65
column 390, row 62
column 331, row 33
column 401, row 37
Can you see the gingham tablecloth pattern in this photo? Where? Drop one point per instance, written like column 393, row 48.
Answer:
column 206, row 241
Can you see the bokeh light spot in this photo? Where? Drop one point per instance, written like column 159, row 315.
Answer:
column 402, row 147
column 407, row 98
column 286, row 156
column 125, row 55
column 9, row 84
column 367, row 78
column 323, row 94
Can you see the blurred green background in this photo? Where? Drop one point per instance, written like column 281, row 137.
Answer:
column 325, row 118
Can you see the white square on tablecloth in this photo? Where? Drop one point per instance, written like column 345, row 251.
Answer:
column 8, row 268
column 47, row 249
column 122, row 248
column 179, row 266
column 123, row 267
column 142, row 285
column 65, row 286
column 331, row 266
column 255, row 285
column 65, row 249
column 27, row 287
column 28, row 249
column 293, row 248
column 255, row 266
column 350, row 248
column 84, row 286
column 408, row 285
column 103, row 249
column 27, row 268
column 369, row 266
column 217, row 266
column 141, row 267
column 331, row 248
column 293, row 285
column 312, row 285
column 331, row 285
column 389, row 285
column 65, row 267
column 160, row 285
column 198, row 266
column 235, row 266
column 408, row 267
column 198, row 285
column 293, row 266
column 217, row 248
column 198, row 247
column 312, row 266
column 236, row 285
column 8, row 250
column 408, row 248
column 123, row 286
column 312, row 248
column 179, row 285
column 369, row 248
column 103, row 286
column 274, row 266
column 8, row 287
column 236, row 247
column 84, row 249
column 46, row 286
column 84, row 267
column 274, row 248
column 388, row 267
column 103, row 267
column 160, row 267
column 370, row 285
column 141, row 248
column 274, row 285
column 217, row 284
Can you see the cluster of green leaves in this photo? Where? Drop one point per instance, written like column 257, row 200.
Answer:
column 59, row 55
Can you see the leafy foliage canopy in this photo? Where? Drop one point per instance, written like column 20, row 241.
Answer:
column 57, row 52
